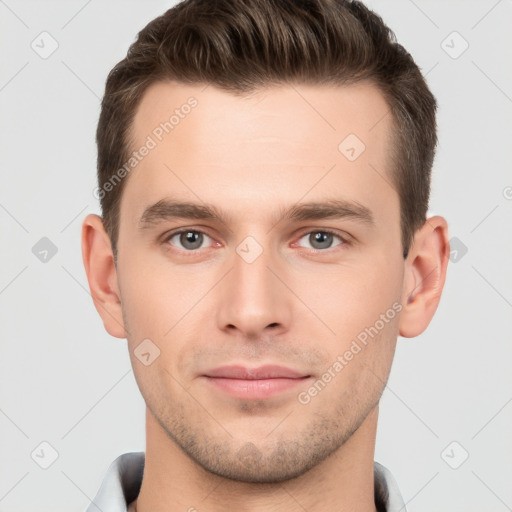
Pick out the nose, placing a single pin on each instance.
(254, 301)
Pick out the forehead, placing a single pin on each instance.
(295, 110)
(274, 145)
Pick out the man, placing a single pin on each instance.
(264, 174)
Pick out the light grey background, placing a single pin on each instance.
(65, 381)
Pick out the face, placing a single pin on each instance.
(260, 253)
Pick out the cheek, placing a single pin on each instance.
(169, 306)
(155, 296)
(352, 298)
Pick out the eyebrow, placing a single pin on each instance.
(167, 209)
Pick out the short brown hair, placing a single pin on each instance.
(242, 45)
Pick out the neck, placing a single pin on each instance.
(173, 482)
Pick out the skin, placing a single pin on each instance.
(253, 158)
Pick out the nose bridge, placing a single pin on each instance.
(253, 298)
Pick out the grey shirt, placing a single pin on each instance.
(122, 481)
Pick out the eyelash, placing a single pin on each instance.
(344, 240)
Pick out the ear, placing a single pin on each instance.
(425, 274)
(101, 273)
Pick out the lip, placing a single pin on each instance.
(261, 372)
(254, 383)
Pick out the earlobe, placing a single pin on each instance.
(101, 273)
(425, 274)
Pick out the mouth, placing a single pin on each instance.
(254, 383)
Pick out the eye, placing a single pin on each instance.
(189, 239)
(321, 239)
